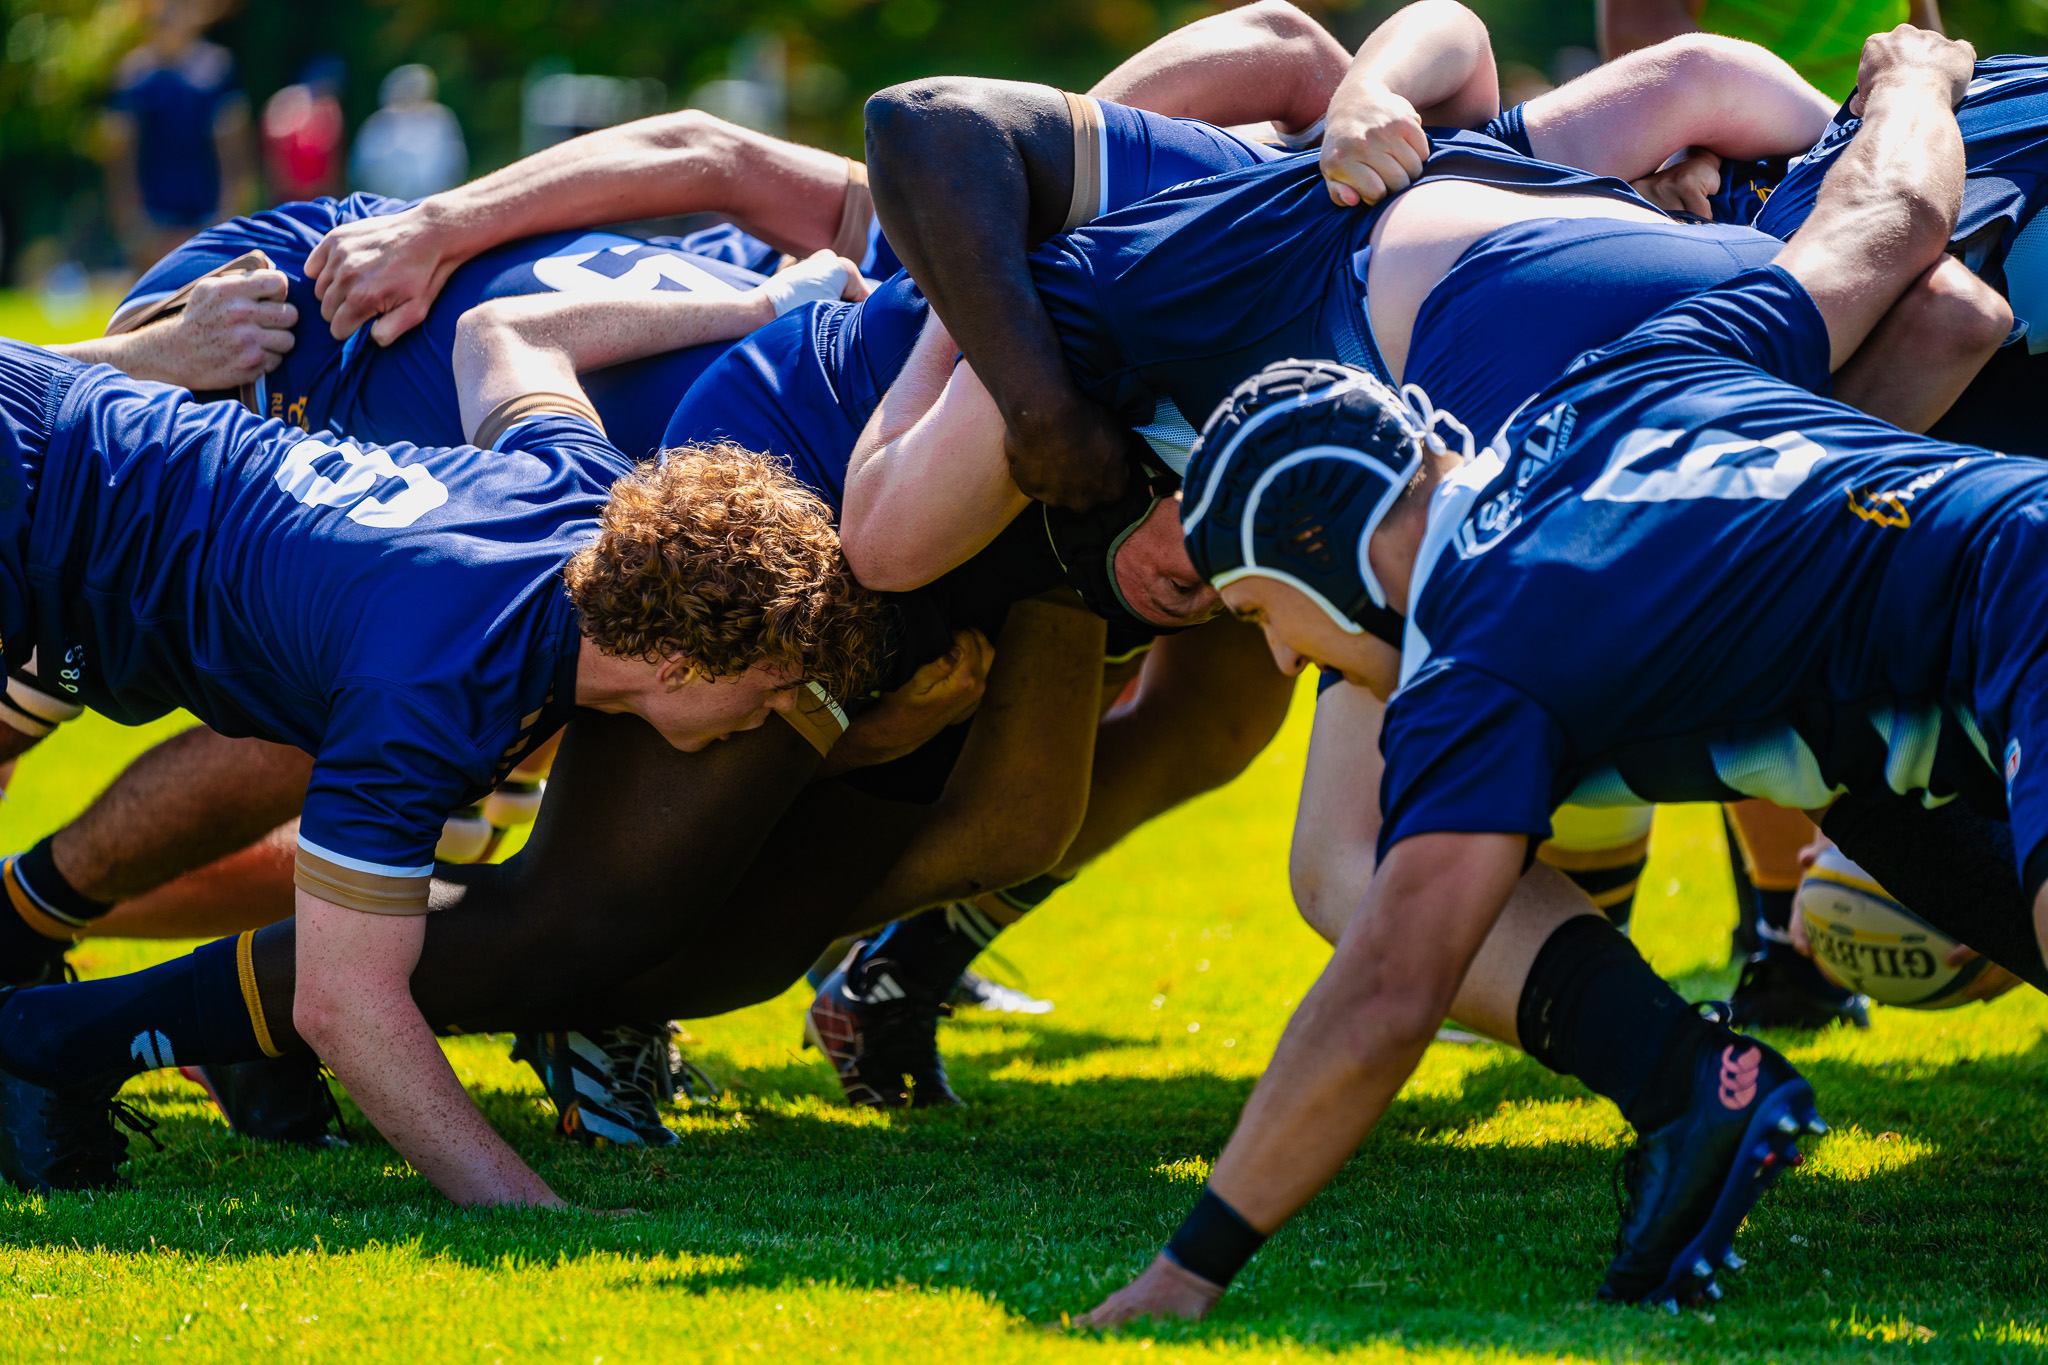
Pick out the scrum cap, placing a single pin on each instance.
(1292, 474)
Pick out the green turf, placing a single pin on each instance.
(1473, 1226)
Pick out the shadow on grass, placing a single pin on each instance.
(1045, 1194)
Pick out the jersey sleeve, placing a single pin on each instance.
(1467, 754)
(389, 772)
(1508, 127)
(1064, 272)
(1762, 317)
(1122, 155)
(551, 423)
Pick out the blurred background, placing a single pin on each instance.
(127, 124)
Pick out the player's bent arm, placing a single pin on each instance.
(1330, 862)
(1889, 203)
(1263, 62)
(537, 343)
(1019, 792)
(231, 331)
(686, 162)
(353, 1004)
(1627, 118)
(1353, 1042)
(928, 485)
(1430, 63)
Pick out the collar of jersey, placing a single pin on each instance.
(1448, 506)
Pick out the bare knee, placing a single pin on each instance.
(1958, 317)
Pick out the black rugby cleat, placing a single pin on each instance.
(275, 1099)
(881, 1037)
(1689, 1184)
(56, 1140)
(1781, 989)
(607, 1085)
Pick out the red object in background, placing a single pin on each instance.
(302, 143)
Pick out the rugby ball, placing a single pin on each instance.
(1868, 942)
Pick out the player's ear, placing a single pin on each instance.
(674, 671)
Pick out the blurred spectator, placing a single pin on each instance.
(302, 135)
(412, 147)
(177, 132)
(559, 104)
(1822, 39)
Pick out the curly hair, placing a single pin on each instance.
(719, 555)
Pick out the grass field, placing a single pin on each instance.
(1472, 1227)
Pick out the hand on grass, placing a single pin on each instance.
(1163, 1291)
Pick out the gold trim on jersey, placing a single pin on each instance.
(1086, 205)
(1593, 859)
(856, 215)
(370, 892)
(513, 411)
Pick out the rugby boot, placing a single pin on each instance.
(1781, 989)
(835, 955)
(1688, 1185)
(881, 1034)
(976, 992)
(275, 1099)
(607, 1085)
(53, 1140)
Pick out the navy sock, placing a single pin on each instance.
(35, 887)
(1592, 1008)
(184, 1012)
(932, 949)
(1774, 915)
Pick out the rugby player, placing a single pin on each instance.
(1581, 618)
(167, 553)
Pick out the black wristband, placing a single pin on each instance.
(1214, 1241)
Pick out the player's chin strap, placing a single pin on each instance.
(1429, 417)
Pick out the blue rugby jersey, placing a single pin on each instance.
(1679, 575)
(396, 611)
(1525, 299)
(1165, 306)
(406, 391)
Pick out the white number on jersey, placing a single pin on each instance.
(1710, 469)
(297, 476)
(636, 268)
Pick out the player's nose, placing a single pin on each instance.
(1288, 660)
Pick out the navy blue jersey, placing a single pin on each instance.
(1163, 307)
(1524, 299)
(406, 391)
(1680, 575)
(397, 611)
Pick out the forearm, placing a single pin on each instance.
(1627, 118)
(1885, 211)
(131, 353)
(685, 162)
(1437, 55)
(353, 1005)
(540, 342)
(1019, 791)
(1265, 62)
